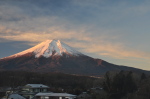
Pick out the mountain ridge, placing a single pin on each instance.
(56, 56)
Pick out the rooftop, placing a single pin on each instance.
(55, 94)
(36, 86)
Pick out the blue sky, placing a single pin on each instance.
(113, 30)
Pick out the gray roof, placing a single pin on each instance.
(36, 86)
(55, 94)
(16, 96)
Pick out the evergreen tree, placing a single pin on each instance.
(143, 76)
(107, 82)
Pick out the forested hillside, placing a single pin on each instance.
(56, 81)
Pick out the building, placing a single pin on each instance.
(54, 96)
(35, 88)
(4, 91)
(36, 91)
(14, 96)
(28, 91)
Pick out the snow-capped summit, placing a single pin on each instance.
(49, 48)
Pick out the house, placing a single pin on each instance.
(35, 88)
(29, 90)
(36, 91)
(5, 91)
(54, 96)
(14, 96)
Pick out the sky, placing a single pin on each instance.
(117, 31)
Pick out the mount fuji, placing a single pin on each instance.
(56, 56)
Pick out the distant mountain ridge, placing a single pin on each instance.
(56, 56)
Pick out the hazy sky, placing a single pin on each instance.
(117, 31)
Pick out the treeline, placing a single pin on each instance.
(116, 85)
(57, 81)
(126, 85)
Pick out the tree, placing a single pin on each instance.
(130, 85)
(107, 82)
(121, 84)
(143, 76)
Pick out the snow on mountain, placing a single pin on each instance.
(49, 48)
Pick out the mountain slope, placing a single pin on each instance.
(56, 56)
